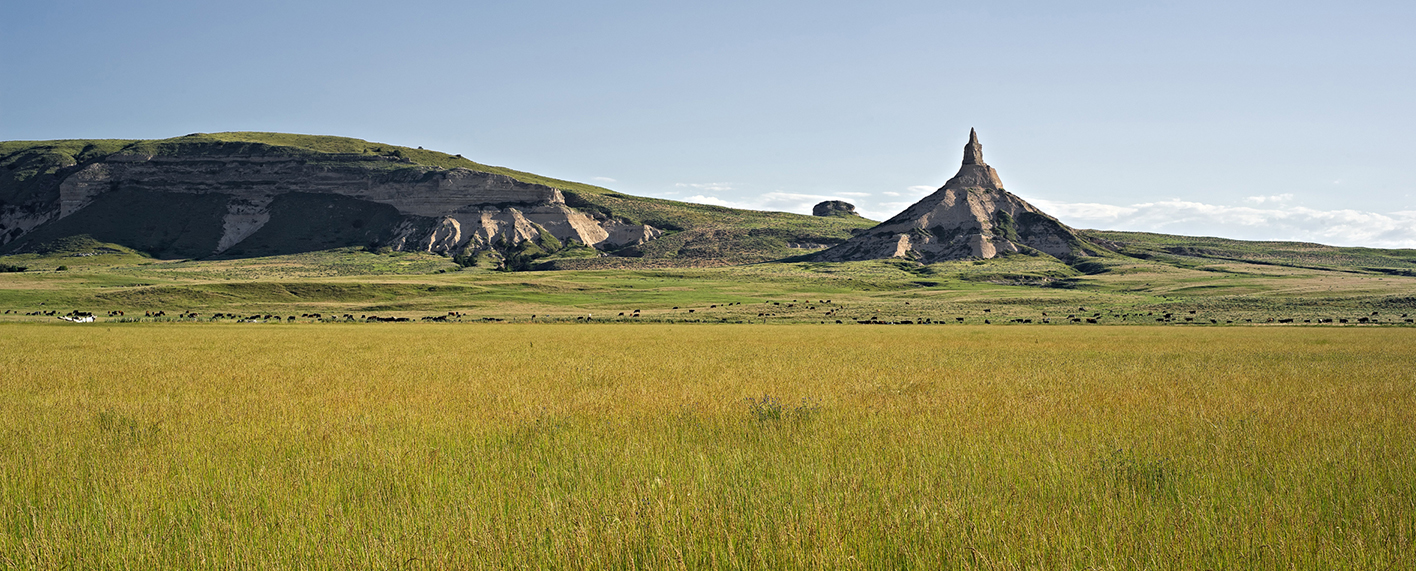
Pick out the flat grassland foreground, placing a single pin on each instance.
(679, 446)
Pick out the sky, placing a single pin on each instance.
(1253, 120)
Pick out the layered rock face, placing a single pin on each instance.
(488, 227)
(971, 216)
(833, 208)
(421, 191)
(442, 209)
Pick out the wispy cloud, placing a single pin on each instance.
(911, 191)
(1278, 221)
(854, 194)
(709, 186)
(780, 201)
(603, 179)
(1275, 198)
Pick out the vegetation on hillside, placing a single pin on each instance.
(1190, 251)
(699, 234)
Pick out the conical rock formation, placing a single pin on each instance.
(971, 216)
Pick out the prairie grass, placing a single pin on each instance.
(675, 446)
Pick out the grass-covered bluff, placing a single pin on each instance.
(143, 216)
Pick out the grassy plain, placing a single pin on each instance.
(198, 445)
(1113, 290)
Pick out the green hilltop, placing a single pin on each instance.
(696, 234)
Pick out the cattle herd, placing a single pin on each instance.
(823, 311)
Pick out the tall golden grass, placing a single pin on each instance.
(662, 446)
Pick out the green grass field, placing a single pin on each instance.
(225, 446)
(1112, 290)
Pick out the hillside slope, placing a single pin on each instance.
(242, 194)
(1191, 251)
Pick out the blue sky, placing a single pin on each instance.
(1255, 120)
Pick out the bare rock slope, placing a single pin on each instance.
(971, 216)
(203, 198)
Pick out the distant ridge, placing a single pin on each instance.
(971, 216)
(248, 194)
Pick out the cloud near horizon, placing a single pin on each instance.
(713, 186)
(778, 201)
(1269, 218)
(1276, 221)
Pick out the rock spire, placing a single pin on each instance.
(971, 216)
(973, 152)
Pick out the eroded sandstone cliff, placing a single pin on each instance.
(971, 216)
(440, 210)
